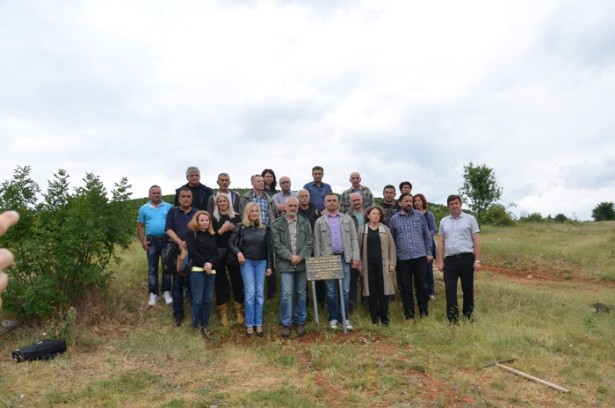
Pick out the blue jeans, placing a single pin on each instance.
(293, 282)
(253, 274)
(153, 258)
(333, 298)
(202, 286)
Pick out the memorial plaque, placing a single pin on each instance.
(324, 268)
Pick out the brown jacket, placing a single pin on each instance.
(389, 257)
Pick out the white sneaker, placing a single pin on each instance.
(432, 297)
(152, 299)
(333, 324)
(348, 325)
(168, 299)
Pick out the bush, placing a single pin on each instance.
(533, 217)
(64, 243)
(497, 215)
(604, 212)
(561, 218)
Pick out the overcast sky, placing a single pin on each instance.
(397, 90)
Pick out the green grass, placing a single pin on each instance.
(122, 353)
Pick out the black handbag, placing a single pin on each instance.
(43, 350)
(169, 258)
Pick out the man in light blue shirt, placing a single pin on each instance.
(153, 237)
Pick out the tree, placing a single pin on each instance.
(64, 247)
(604, 211)
(480, 187)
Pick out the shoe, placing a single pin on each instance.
(385, 323)
(249, 331)
(152, 299)
(432, 297)
(348, 325)
(285, 332)
(333, 324)
(239, 313)
(178, 320)
(223, 310)
(300, 330)
(259, 331)
(205, 333)
(168, 299)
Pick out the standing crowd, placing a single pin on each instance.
(235, 246)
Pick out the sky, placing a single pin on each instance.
(397, 90)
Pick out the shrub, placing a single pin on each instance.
(561, 218)
(533, 217)
(604, 211)
(64, 243)
(496, 214)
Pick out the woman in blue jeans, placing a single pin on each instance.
(203, 250)
(251, 242)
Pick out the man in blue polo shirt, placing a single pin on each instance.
(150, 230)
(177, 230)
(318, 189)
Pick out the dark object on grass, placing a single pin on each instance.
(601, 308)
(43, 350)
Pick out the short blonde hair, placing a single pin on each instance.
(193, 224)
(246, 216)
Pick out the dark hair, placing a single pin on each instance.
(453, 197)
(389, 186)
(403, 195)
(274, 183)
(184, 188)
(405, 183)
(317, 168)
(423, 199)
(380, 210)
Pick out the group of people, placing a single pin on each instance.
(238, 244)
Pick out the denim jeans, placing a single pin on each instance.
(202, 286)
(253, 274)
(333, 297)
(153, 258)
(293, 283)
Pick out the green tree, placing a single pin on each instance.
(66, 245)
(604, 211)
(496, 214)
(480, 187)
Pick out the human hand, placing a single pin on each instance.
(268, 272)
(240, 258)
(7, 220)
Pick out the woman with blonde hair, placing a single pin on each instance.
(203, 251)
(252, 245)
(225, 222)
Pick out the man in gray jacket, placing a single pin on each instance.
(336, 234)
(292, 243)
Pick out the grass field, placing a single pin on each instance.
(533, 303)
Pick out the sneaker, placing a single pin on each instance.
(168, 299)
(300, 330)
(205, 334)
(285, 332)
(333, 324)
(432, 297)
(152, 299)
(178, 320)
(348, 325)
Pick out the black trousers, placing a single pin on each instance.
(411, 273)
(459, 267)
(378, 302)
(223, 286)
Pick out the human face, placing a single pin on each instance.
(258, 183)
(406, 189)
(222, 204)
(185, 199)
(418, 203)
(194, 179)
(268, 177)
(455, 208)
(356, 202)
(374, 215)
(355, 179)
(292, 206)
(254, 213)
(332, 203)
(224, 182)
(304, 198)
(155, 195)
(285, 184)
(203, 222)
(317, 176)
(388, 195)
(406, 204)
